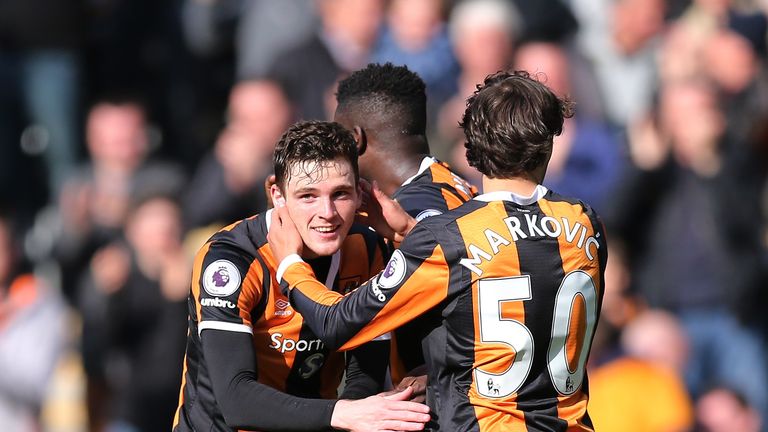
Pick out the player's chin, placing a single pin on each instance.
(325, 246)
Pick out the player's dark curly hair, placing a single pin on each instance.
(312, 141)
(510, 122)
(386, 89)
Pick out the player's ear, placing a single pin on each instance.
(360, 192)
(277, 196)
(360, 139)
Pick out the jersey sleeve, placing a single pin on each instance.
(421, 202)
(226, 286)
(366, 370)
(414, 280)
(248, 404)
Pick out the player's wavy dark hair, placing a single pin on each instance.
(387, 89)
(313, 141)
(510, 122)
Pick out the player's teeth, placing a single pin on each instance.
(324, 229)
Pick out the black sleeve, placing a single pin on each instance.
(366, 370)
(248, 404)
(422, 202)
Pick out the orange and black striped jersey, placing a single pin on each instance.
(518, 283)
(434, 190)
(234, 289)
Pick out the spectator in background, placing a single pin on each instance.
(587, 160)
(143, 283)
(723, 410)
(415, 35)
(94, 201)
(262, 30)
(545, 20)
(229, 182)
(136, 46)
(705, 42)
(40, 47)
(309, 71)
(745, 18)
(658, 337)
(628, 391)
(620, 39)
(483, 33)
(93, 208)
(733, 64)
(32, 336)
(682, 218)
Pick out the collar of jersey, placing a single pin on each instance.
(335, 259)
(425, 164)
(538, 193)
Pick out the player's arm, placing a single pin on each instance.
(226, 290)
(366, 369)
(245, 402)
(226, 339)
(415, 280)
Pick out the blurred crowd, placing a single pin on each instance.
(132, 130)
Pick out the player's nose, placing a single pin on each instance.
(327, 208)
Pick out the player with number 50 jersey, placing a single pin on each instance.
(518, 282)
(515, 276)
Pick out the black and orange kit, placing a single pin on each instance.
(433, 190)
(251, 361)
(517, 284)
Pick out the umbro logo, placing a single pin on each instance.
(280, 308)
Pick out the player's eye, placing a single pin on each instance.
(306, 197)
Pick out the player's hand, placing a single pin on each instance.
(283, 237)
(381, 413)
(384, 214)
(416, 380)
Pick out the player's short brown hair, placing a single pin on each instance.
(510, 122)
(313, 141)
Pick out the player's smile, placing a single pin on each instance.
(326, 230)
(322, 199)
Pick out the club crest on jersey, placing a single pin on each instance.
(395, 271)
(221, 278)
(427, 213)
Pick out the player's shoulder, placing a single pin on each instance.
(421, 199)
(554, 196)
(439, 224)
(574, 207)
(573, 204)
(442, 173)
(227, 259)
(245, 237)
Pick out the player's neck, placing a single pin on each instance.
(518, 185)
(400, 169)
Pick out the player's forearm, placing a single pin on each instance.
(346, 322)
(334, 321)
(366, 370)
(248, 404)
(275, 411)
